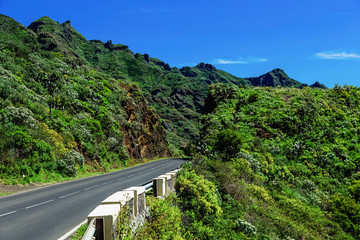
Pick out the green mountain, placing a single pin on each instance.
(61, 74)
(177, 94)
(58, 112)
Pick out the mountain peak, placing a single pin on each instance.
(274, 78)
(46, 20)
(206, 66)
(278, 71)
(318, 85)
(42, 21)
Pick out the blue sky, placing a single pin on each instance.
(312, 40)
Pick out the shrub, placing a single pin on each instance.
(229, 143)
(198, 195)
(165, 220)
(70, 162)
(347, 212)
(246, 227)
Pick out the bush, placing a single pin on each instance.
(71, 161)
(229, 143)
(165, 220)
(347, 212)
(246, 227)
(198, 195)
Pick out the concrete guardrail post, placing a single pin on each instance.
(167, 183)
(159, 187)
(106, 214)
(139, 199)
(123, 198)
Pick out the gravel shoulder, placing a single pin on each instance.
(11, 189)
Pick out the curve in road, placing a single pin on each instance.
(49, 212)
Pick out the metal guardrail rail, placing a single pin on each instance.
(148, 186)
(90, 231)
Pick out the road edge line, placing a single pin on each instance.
(69, 233)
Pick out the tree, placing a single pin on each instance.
(229, 143)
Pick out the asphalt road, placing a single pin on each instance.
(50, 212)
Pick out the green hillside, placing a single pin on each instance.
(57, 112)
(286, 158)
(177, 94)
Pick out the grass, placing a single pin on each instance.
(5, 193)
(80, 232)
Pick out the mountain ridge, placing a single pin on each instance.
(54, 61)
(178, 95)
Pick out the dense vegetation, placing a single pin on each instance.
(273, 163)
(279, 163)
(57, 112)
(287, 158)
(177, 94)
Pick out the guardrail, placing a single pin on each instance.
(103, 218)
(90, 231)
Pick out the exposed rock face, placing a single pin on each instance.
(145, 136)
(108, 44)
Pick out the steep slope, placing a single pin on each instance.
(57, 112)
(176, 94)
(287, 159)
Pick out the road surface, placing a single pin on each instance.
(50, 212)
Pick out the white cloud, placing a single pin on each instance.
(337, 55)
(225, 61)
(242, 61)
(262, 60)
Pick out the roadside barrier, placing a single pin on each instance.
(102, 220)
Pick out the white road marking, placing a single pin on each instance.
(119, 179)
(107, 182)
(91, 187)
(5, 214)
(69, 194)
(39, 204)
